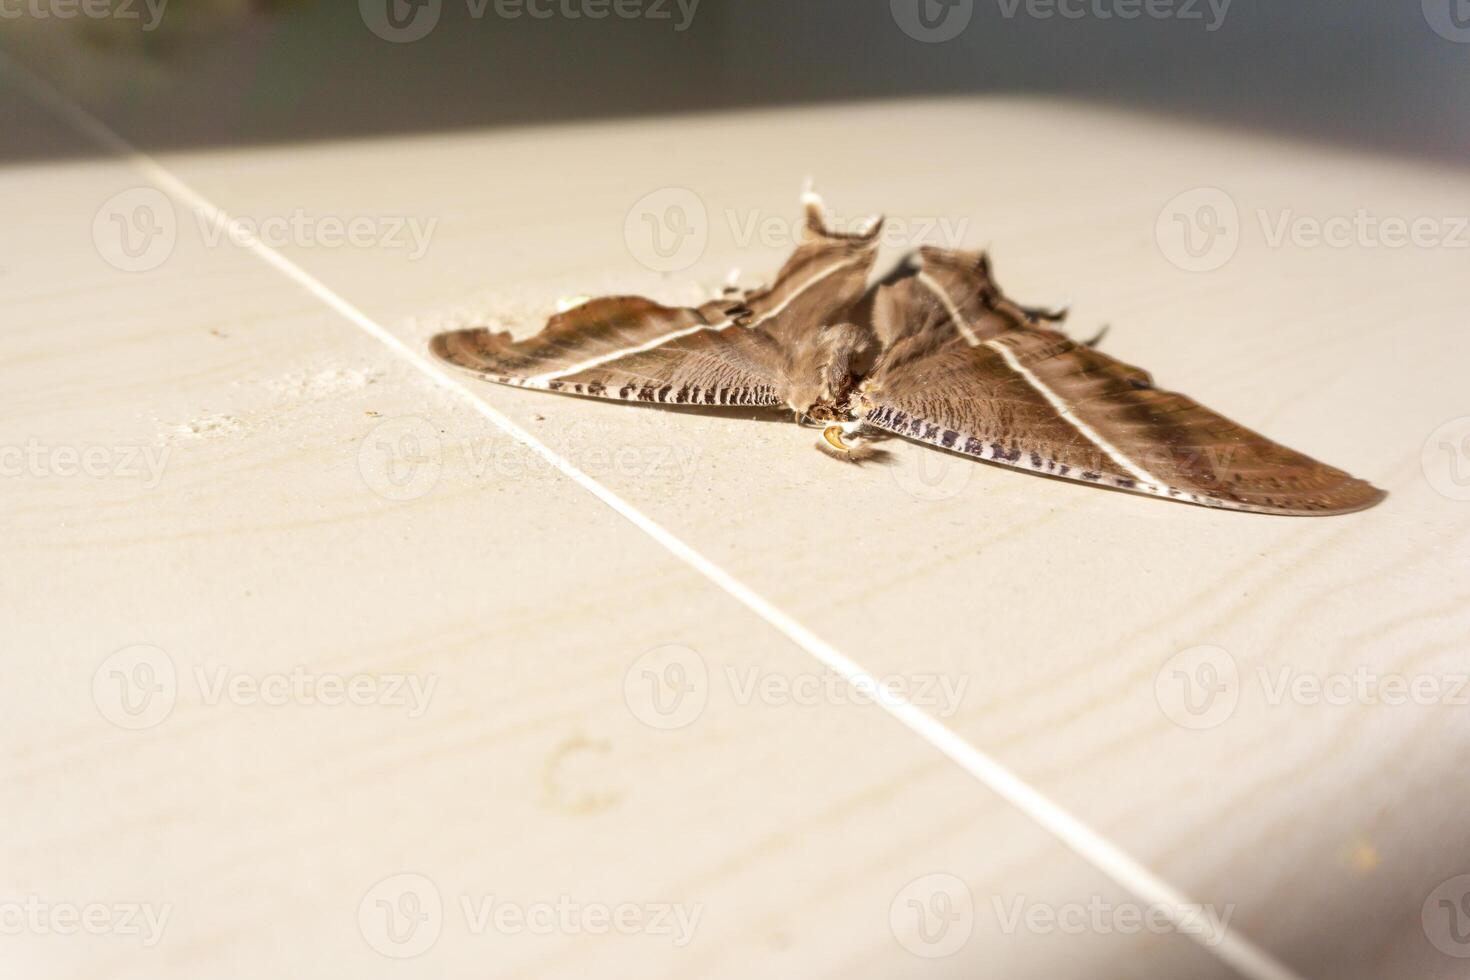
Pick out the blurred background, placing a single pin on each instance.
(1390, 75)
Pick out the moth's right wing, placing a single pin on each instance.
(1029, 397)
(727, 352)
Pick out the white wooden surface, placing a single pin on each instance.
(1323, 828)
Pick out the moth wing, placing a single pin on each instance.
(627, 348)
(955, 289)
(730, 351)
(1031, 398)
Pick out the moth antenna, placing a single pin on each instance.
(1056, 315)
(1097, 339)
(816, 217)
(816, 209)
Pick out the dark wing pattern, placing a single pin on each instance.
(978, 375)
(730, 351)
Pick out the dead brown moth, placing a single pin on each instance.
(934, 352)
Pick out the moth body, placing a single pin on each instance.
(934, 353)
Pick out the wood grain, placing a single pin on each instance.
(1325, 827)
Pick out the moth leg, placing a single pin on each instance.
(1098, 337)
(844, 442)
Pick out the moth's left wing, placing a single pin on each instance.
(1031, 398)
(730, 351)
(628, 348)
